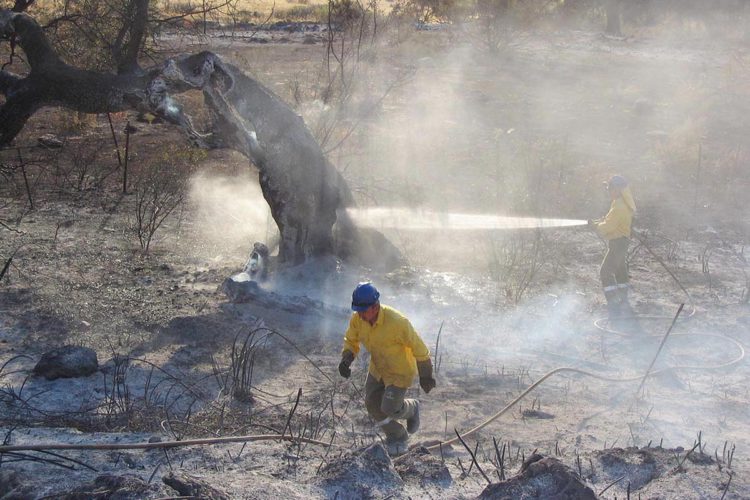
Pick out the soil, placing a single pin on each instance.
(166, 336)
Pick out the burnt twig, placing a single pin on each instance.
(680, 462)
(731, 475)
(437, 347)
(473, 458)
(611, 484)
(114, 139)
(6, 266)
(291, 414)
(500, 459)
(25, 178)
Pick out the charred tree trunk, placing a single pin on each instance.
(304, 191)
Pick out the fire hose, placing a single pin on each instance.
(599, 323)
(603, 325)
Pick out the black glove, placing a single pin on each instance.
(427, 383)
(344, 369)
(426, 380)
(346, 360)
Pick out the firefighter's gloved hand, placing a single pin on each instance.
(346, 360)
(427, 383)
(426, 380)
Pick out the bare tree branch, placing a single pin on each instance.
(304, 191)
(126, 53)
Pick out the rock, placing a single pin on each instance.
(66, 362)
(419, 466)
(541, 478)
(365, 473)
(112, 487)
(50, 141)
(193, 487)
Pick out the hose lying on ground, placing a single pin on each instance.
(162, 444)
(598, 376)
(603, 325)
(271, 437)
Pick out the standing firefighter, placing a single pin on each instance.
(615, 228)
(397, 354)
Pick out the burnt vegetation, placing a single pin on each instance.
(104, 125)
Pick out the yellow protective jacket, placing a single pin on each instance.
(393, 344)
(618, 221)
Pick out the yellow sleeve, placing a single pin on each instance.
(415, 342)
(351, 337)
(611, 223)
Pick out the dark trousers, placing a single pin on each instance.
(614, 269)
(386, 405)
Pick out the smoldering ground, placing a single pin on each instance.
(531, 132)
(526, 135)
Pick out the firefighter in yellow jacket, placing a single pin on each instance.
(397, 355)
(615, 227)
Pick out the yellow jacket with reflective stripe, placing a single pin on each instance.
(618, 221)
(393, 344)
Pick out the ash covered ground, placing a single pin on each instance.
(508, 306)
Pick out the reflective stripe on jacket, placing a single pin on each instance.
(393, 344)
(618, 221)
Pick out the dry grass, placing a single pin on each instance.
(253, 11)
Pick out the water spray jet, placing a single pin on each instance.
(409, 219)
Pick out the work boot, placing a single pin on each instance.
(397, 448)
(613, 304)
(412, 423)
(624, 304)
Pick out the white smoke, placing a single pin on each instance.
(230, 214)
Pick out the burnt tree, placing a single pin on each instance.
(305, 192)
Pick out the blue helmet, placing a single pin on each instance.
(364, 296)
(617, 182)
